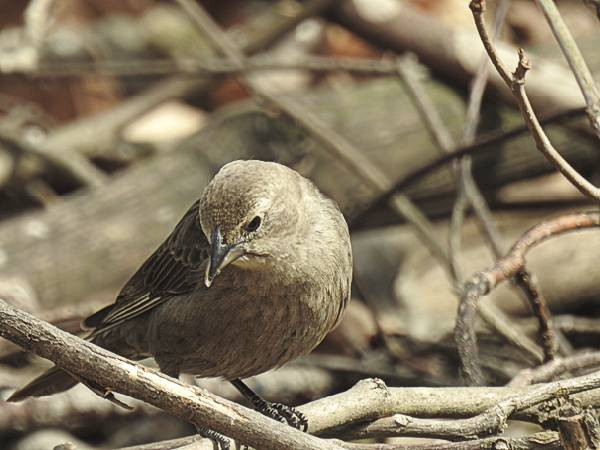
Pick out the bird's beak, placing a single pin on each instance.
(221, 255)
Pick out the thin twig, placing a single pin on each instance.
(422, 226)
(529, 285)
(441, 135)
(485, 143)
(575, 59)
(455, 236)
(214, 66)
(405, 69)
(555, 368)
(470, 189)
(516, 83)
(509, 266)
(468, 186)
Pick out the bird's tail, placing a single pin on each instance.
(50, 382)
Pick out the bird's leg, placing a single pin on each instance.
(276, 411)
(221, 441)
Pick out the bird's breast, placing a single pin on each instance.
(244, 325)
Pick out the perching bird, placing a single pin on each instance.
(256, 273)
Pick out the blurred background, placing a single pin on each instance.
(115, 114)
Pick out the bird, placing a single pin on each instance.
(256, 273)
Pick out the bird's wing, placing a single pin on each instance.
(173, 269)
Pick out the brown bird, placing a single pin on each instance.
(256, 273)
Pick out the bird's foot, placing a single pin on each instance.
(221, 441)
(276, 411)
(282, 413)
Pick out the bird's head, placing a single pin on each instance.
(248, 213)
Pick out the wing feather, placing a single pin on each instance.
(175, 268)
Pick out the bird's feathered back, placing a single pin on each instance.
(173, 269)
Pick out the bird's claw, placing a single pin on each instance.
(285, 414)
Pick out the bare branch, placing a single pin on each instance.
(442, 137)
(545, 440)
(468, 190)
(467, 185)
(489, 422)
(512, 264)
(214, 66)
(555, 368)
(528, 284)
(482, 144)
(367, 401)
(575, 59)
(120, 375)
(516, 83)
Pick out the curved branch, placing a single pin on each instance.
(555, 368)
(516, 83)
(511, 265)
(490, 422)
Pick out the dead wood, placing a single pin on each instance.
(117, 374)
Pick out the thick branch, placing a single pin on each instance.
(367, 401)
(370, 400)
(490, 422)
(120, 375)
(545, 440)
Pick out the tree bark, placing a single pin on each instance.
(120, 375)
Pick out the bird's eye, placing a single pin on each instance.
(254, 224)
